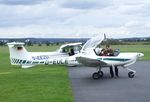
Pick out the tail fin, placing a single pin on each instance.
(17, 53)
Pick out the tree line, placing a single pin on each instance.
(108, 41)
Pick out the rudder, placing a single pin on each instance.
(17, 53)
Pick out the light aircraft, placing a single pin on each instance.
(72, 54)
(64, 55)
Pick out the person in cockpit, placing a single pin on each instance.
(103, 52)
(109, 50)
(71, 52)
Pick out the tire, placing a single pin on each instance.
(101, 74)
(96, 76)
(131, 74)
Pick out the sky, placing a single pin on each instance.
(74, 18)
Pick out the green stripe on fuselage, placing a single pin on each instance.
(114, 59)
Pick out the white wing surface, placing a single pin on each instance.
(90, 62)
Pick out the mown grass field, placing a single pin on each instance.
(38, 84)
(42, 83)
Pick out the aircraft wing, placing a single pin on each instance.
(68, 45)
(90, 62)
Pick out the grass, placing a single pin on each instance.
(39, 84)
(42, 83)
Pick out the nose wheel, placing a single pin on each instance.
(131, 74)
(97, 75)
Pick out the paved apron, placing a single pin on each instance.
(106, 89)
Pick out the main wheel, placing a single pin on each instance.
(96, 75)
(101, 73)
(131, 74)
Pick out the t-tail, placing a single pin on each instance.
(18, 54)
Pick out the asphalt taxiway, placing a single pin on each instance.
(106, 89)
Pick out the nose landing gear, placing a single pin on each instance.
(131, 74)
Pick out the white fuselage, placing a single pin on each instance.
(36, 58)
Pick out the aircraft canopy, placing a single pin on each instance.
(93, 42)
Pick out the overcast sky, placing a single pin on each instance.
(74, 18)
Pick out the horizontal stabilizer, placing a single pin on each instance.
(27, 66)
(15, 44)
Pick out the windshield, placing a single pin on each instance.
(93, 42)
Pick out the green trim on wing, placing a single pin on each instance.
(114, 59)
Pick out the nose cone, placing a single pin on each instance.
(140, 54)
